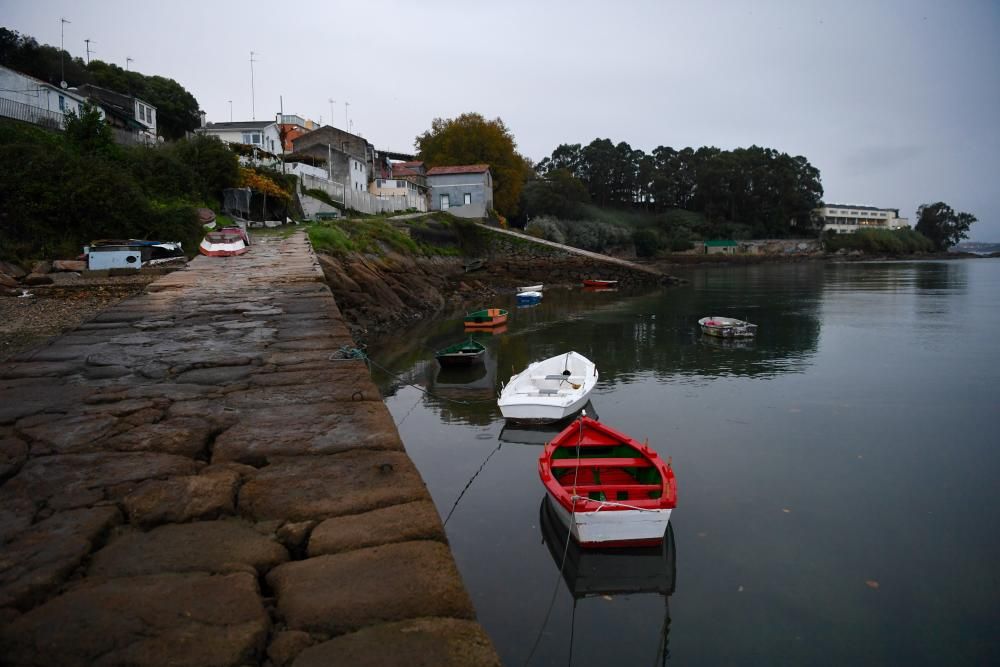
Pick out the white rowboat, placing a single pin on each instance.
(530, 288)
(549, 390)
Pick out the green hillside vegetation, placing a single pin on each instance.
(437, 234)
(71, 188)
(879, 241)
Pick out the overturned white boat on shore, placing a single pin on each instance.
(549, 390)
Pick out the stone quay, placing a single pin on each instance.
(194, 478)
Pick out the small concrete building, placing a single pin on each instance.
(262, 134)
(849, 218)
(32, 100)
(721, 247)
(123, 111)
(335, 139)
(464, 190)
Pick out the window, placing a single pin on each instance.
(468, 198)
(251, 138)
(62, 103)
(445, 203)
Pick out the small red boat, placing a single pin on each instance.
(606, 488)
(225, 242)
(600, 283)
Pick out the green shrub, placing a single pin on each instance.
(647, 242)
(879, 241)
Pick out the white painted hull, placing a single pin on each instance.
(618, 527)
(237, 247)
(541, 393)
(530, 288)
(533, 410)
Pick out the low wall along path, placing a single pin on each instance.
(189, 479)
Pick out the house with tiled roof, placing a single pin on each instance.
(463, 190)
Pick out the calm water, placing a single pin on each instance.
(839, 478)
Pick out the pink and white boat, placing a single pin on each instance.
(225, 242)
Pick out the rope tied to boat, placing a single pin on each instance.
(609, 503)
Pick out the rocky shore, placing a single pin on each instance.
(32, 314)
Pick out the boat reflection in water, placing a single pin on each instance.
(606, 573)
(539, 434)
(726, 343)
(491, 331)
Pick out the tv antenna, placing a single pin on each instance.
(253, 113)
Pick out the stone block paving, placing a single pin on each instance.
(191, 479)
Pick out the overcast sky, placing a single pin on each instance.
(897, 103)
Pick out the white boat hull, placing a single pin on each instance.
(549, 390)
(532, 410)
(619, 527)
(530, 288)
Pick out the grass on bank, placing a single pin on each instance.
(436, 234)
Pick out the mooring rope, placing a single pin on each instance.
(476, 474)
(562, 563)
(602, 503)
(348, 353)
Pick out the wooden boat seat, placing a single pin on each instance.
(610, 488)
(602, 463)
(568, 378)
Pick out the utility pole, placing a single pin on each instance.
(332, 102)
(281, 136)
(230, 111)
(87, 41)
(346, 121)
(127, 61)
(253, 113)
(62, 50)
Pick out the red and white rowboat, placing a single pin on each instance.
(599, 283)
(224, 242)
(608, 489)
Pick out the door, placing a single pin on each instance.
(468, 198)
(444, 202)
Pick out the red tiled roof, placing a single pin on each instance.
(414, 163)
(462, 169)
(399, 170)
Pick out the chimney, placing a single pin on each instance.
(202, 114)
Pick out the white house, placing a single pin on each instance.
(32, 100)
(849, 218)
(261, 134)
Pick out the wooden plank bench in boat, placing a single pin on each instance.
(612, 488)
(602, 463)
(568, 378)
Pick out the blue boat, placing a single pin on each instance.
(527, 298)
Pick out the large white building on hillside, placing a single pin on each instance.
(849, 218)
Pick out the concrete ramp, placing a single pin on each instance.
(192, 478)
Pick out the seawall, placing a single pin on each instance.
(191, 478)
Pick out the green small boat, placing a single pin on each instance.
(466, 353)
(483, 319)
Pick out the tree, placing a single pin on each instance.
(88, 134)
(559, 193)
(471, 139)
(942, 225)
